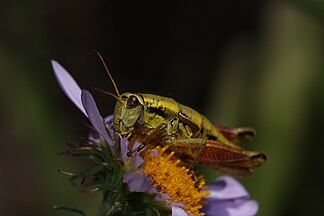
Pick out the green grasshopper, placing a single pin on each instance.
(156, 120)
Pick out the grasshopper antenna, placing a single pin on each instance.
(109, 93)
(106, 68)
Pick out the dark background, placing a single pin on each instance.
(251, 63)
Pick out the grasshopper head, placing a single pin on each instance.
(128, 112)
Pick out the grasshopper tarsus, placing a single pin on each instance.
(138, 149)
(194, 177)
(129, 154)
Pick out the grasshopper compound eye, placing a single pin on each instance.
(132, 102)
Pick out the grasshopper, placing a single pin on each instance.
(156, 120)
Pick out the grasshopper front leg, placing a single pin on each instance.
(152, 134)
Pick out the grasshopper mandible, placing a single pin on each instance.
(157, 120)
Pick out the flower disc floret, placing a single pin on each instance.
(173, 181)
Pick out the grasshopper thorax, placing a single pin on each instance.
(128, 112)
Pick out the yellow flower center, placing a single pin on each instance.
(169, 178)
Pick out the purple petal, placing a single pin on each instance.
(137, 182)
(108, 118)
(136, 144)
(177, 211)
(68, 85)
(236, 207)
(226, 187)
(123, 147)
(95, 117)
(154, 152)
(138, 160)
(94, 136)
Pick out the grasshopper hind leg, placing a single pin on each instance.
(226, 158)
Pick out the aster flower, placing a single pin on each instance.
(151, 182)
(110, 166)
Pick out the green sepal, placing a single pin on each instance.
(133, 203)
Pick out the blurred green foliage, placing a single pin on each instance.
(257, 64)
